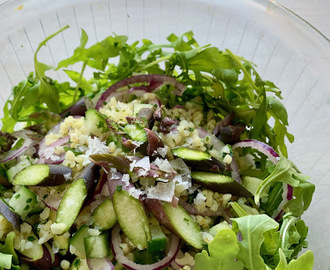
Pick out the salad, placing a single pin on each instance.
(170, 156)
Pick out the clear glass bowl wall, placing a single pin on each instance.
(286, 49)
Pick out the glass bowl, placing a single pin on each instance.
(286, 49)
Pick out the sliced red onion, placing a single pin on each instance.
(51, 201)
(100, 264)
(154, 141)
(54, 130)
(175, 266)
(158, 114)
(117, 179)
(77, 109)
(273, 156)
(121, 95)
(278, 216)
(178, 107)
(121, 258)
(12, 154)
(175, 201)
(235, 171)
(155, 81)
(155, 101)
(217, 144)
(260, 146)
(47, 155)
(101, 184)
(289, 194)
(155, 207)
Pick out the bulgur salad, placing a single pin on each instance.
(171, 156)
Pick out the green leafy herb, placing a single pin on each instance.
(73, 150)
(284, 172)
(253, 228)
(48, 93)
(305, 261)
(293, 235)
(31, 238)
(11, 259)
(223, 251)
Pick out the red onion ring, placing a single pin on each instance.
(175, 266)
(50, 151)
(55, 130)
(51, 201)
(273, 156)
(121, 258)
(235, 171)
(99, 264)
(114, 180)
(261, 147)
(154, 80)
(12, 154)
(289, 194)
(175, 201)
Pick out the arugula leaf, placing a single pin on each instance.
(8, 248)
(305, 261)
(8, 122)
(243, 210)
(277, 109)
(179, 43)
(271, 243)
(253, 228)
(274, 199)
(284, 172)
(47, 92)
(293, 235)
(5, 260)
(209, 60)
(302, 198)
(223, 250)
(107, 48)
(81, 81)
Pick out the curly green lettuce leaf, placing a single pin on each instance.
(253, 228)
(223, 251)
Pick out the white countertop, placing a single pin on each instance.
(316, 12)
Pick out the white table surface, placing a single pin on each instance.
(316, 12)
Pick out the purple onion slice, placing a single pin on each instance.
(154, 81)
(261, 147)
(273, 156)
